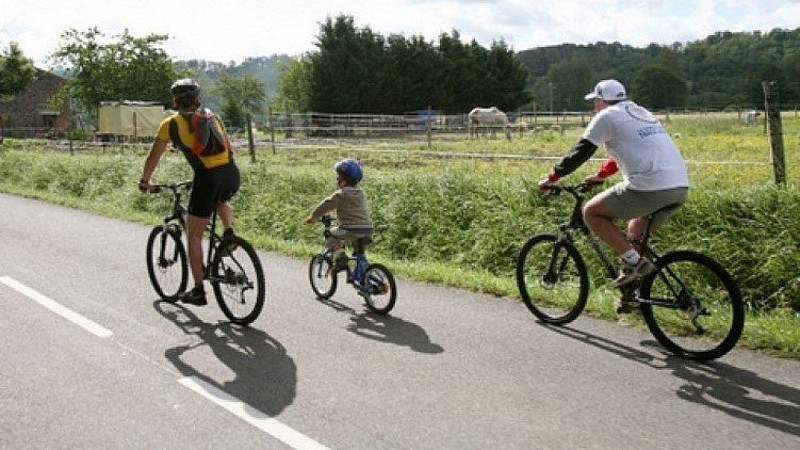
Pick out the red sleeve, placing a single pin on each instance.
(608, 168)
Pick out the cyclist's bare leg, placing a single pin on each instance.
(225, 214)
(636, 229)
(195, 226)
(600, 220)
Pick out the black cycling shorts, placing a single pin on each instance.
(211, 186)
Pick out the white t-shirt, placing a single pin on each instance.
(645, 154)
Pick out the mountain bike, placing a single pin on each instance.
(231, 266)
(374, 282)
(690, 303)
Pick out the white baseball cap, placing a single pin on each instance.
(608, 90)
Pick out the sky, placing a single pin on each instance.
(231, 30)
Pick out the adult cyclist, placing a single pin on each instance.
(203, 139)
(654, 175)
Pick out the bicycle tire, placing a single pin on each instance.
(379, 289)
(240, 273)
(322, 277)
(716, 332)
(554, 297)
(167, 264)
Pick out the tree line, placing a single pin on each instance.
(724, 70)
(358, 70)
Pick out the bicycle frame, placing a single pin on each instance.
(178, 215)
(353, 275)
(576, 224)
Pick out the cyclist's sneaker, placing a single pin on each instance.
(228, 249)
(197, 296)
(630, 273)
(625, 306)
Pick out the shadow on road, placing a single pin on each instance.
(386, 328)
(393, 330)
(714, 384)
(265, 376)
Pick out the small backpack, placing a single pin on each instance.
(210, 137)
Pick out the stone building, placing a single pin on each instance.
(28, 114)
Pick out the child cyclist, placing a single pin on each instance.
(352, 212)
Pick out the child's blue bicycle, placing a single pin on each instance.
(372, 281)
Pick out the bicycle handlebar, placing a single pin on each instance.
(157, 188)
(574, 189)
(326, 220)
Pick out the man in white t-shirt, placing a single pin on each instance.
(653, 174)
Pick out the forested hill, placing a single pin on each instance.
(723, 70)
(265, 68)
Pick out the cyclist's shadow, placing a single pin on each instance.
(386, 328)
(714, 384)
(392, 330)
(265, 376)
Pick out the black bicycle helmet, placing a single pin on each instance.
(185, 88)
(349, 169)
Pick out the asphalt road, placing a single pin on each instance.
(91, 359)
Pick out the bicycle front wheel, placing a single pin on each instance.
(322, 276)
(552, 279)
(238, 280)
(167, 264)
(379, 289)
(692, 306)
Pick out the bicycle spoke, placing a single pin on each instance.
(552, 279)
(700, 313)
(238, 282)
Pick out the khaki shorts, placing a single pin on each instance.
(358, 240)
(627, 204)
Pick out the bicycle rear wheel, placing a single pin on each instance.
(552, 279)
(379, 289)
(692, 306)
(238, 280)
(322, 276)
(167, 264)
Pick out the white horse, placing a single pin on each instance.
(488, 118)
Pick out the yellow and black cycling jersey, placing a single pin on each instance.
(204, 142)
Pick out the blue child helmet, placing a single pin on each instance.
(349, 169)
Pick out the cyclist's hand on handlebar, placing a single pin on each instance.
(593, 179)
(545, 186)
(144, 186)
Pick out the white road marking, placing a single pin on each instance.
(57, 308)
(251, 415)
(231, 404)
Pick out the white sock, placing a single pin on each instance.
(631, 257)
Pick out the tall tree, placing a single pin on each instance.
(567, 84)
(294, 84)
(357, 70)
(127, 68)
(16, 71)
(657, 86)
(241, 96)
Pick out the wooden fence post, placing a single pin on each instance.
(428, 120)
(250, 142)
(773, 113)
(271, 128)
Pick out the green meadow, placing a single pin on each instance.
(457, 211)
